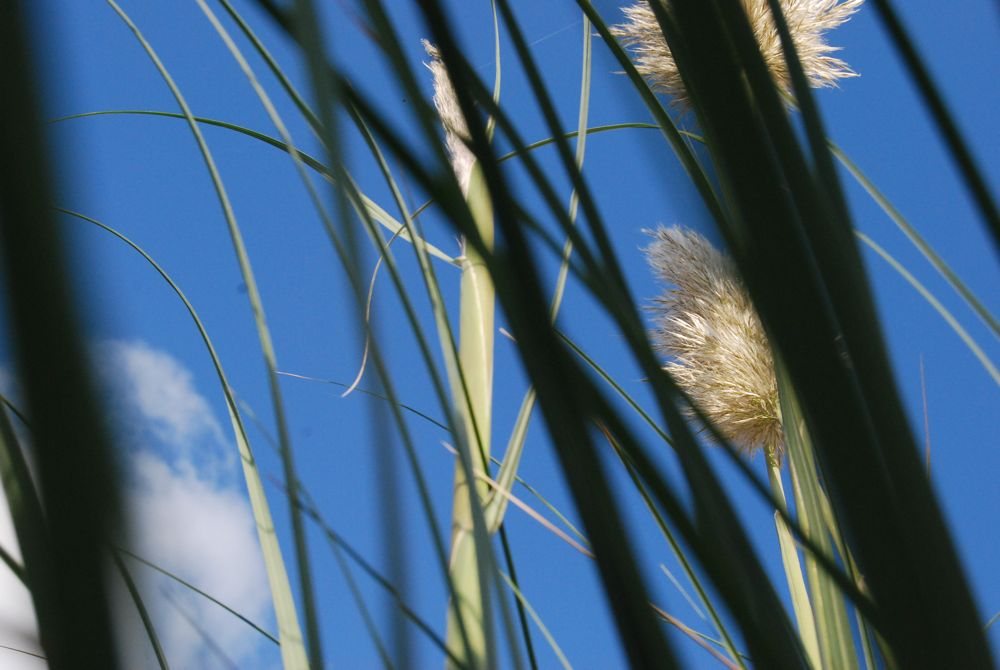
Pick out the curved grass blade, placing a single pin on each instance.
(281, 593)
(945, 121)
(140, 606)
(936, 304)
(292, 656)
(375, 211)
(188, 585)
(918, 241)
(495, 509)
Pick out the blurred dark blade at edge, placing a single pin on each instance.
(76, 475)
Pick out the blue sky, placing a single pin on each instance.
(144, 177)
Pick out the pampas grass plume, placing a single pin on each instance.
(707, 326)
(455, 129)
(808, 21)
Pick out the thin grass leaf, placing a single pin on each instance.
(944, 119)
(717, 622)
(375, 211)
(23, 651)
(209, 642)
(77, 477)
(277, 576)
(293, 654)
(556, 649)
(495, 509)
(943, 311)
(918, 241)
(140, 606)
(188, 585)
(823, 287)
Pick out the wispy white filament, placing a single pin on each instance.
(709, 329)
(455, 130)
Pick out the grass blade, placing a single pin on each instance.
(76, 469)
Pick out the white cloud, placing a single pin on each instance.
(188, 513)
(155, 394)
(203, 533)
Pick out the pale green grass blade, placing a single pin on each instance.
(293, 656)
(793, 568)
(147, 622)
(281, 594)
(833, 628)
(976, 350)
(683, 591)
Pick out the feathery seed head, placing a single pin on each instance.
(455, 130)
(708, 326)
(808, 21)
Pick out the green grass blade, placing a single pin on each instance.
(497, 507)
(194, 589)
(918, 241)
(77, 474)
(833, 627)
(375, 211)
(291, 656)
(284, 603)
(976, 350)
(556, 649)
(944, 119)
(140, 606)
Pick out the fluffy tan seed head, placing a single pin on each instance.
(808, 21)
(707, 325)
(455, 130)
